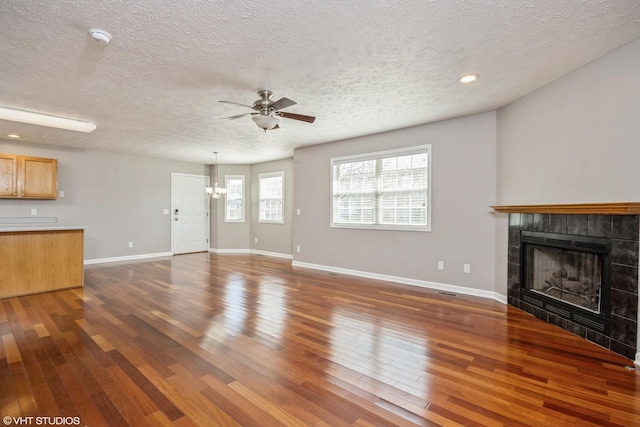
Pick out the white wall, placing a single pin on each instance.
(463, 179)
(120, 198)
(576, 140)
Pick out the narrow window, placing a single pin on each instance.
(271, 189)
(234, 209)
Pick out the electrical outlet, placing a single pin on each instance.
(467, 268)
(61, 193)
(298, 248)
(440, 265)
(298, 211)
(34, 212)
(130, 244)
(256, 240)
(165, 211)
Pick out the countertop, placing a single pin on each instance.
(8, 228)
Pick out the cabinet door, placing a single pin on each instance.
(39, 178)
(8, 175)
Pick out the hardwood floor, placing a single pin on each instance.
(217, 340)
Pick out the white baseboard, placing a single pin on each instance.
(637, 361)
(250, 251)
(229, 251)
(273, 254)
(126, 258)
(406, 281)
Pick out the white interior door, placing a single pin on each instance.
(189, 213)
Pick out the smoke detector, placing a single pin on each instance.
(101, 36)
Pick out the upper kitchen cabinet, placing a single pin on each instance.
(26, 177)
(8, 175)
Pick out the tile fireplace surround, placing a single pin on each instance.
(624, 234)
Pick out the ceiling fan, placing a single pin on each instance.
(267, 111)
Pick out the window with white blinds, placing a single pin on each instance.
(234, 200)
(383, 190)
(271, 189)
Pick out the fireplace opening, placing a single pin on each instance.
(568, 276)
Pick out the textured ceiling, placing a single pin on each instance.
(360, 67)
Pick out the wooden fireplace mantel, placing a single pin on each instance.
(621, 208)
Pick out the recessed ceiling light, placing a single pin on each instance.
(13, 135)
(468, 78)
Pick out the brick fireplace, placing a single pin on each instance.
(610, 319)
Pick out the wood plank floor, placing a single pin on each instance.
(224, 340)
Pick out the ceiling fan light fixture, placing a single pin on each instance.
(30, 117)
(265, 122)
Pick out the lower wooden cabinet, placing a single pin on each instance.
(40, 261)
(27, 177)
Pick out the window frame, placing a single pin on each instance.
(242, 198)
(379, 155)
(268, 175)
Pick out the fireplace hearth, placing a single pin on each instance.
(582, 274)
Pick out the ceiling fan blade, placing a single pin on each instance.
(235, 117)
(237, 103)
(282, 103)
(301, 117)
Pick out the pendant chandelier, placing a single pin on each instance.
(216, 192)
